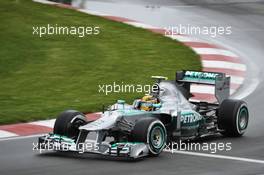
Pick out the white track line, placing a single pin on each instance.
(4, 134)
(217, 156)
(90, 12)
(45, 2)
(183, 38)
(20, 137)
(223, 65)
(140, 25)
(215, 51)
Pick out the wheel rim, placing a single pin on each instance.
(157, 137)
(243, 118)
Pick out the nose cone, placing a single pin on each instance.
(107, 121)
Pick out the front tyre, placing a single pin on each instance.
(152, 132)
(233, 117)
(68, 123)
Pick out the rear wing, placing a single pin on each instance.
(219, 80)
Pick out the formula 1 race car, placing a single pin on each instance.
(145, 127)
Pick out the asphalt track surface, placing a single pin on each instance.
(247, 21)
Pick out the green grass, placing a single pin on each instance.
(39, 77)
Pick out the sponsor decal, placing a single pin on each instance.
(201, 75)
(190, 117)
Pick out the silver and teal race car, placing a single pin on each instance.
(150, 123)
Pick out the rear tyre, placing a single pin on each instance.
(68, 123)
(233, 117)
(152, 132)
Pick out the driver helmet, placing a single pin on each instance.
(148, 103)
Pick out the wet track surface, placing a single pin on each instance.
(247, 21)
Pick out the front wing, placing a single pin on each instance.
(53, 142)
